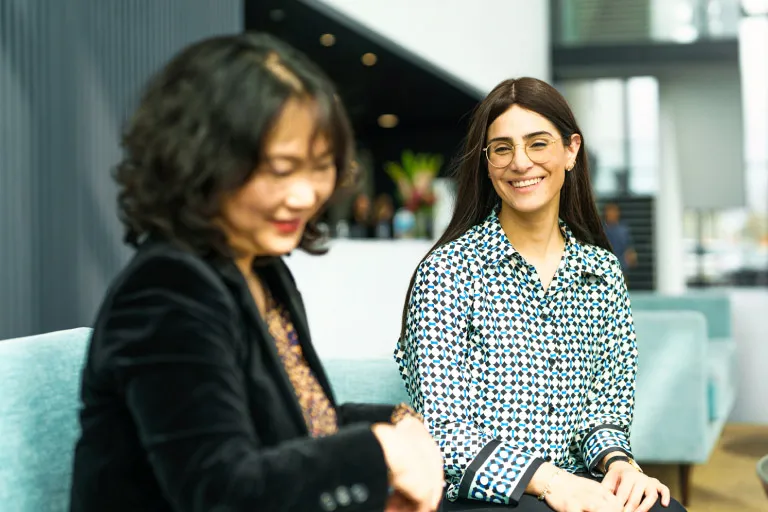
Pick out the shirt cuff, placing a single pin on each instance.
(601, 441)
(498, 474)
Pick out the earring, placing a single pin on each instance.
(570, 167)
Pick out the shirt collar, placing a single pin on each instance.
(494, 247)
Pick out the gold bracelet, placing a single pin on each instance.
(548, 488)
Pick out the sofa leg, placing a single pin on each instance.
(685, 483)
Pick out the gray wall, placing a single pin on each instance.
(70, 73)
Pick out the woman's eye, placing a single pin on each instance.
(324, 166)
(277, 171)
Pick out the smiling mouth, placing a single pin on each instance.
(289, 226)
(526, 183)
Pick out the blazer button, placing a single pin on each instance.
(327, 502)
(359, 493)
(342, 496)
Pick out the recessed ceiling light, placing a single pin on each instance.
(388, 120)
(369, 59)
(277, 14)
(327, 40)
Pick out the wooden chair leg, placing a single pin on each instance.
(685, 483)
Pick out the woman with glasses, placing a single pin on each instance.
(517, 342)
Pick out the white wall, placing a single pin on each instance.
(481, 42)
(354, 295)
(750, 332)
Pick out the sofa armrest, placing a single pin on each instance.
(671, 409)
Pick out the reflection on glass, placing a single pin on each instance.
(680, 21)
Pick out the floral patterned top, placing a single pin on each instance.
(319, 413)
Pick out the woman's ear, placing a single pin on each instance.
(573, 147)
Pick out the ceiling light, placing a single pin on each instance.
(277, 15)
(388, 120)
(369, 59)
(327, 40)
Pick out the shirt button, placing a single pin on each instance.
(551, 409)
(359, 493)
(343, 497)
(327, 502)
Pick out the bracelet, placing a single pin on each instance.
(548, 489)
(615, 458)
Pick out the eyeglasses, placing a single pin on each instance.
(539, 150)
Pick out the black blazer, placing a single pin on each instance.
(187, 407)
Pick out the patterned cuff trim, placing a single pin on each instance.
(469, 475)
(604, 426)
(600, 441)
(525, 479)
(498, 478)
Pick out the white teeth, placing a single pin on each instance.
(526, 183)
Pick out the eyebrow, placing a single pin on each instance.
(525, 137)
(297, 158)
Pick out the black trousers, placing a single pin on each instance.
(530, 503)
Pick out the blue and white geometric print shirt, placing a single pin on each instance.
(508, 375)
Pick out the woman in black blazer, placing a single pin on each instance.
(201, 390)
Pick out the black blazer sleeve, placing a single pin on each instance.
(351, 413)
(175, 351)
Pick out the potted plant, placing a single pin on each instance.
(414, 177)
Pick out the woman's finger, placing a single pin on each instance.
(651, 495)
(625, 490)
(665, 495)
(634, 499)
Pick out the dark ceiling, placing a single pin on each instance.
(432, 107)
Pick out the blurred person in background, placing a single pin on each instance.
(517, 343)
(202, 390)
(619, 236)
(383, 213)
(360, 225)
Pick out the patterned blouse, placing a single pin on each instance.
(508, 375)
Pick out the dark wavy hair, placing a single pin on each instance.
(199, 133)
(475, 196)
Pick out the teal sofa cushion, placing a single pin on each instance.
(671, 422)
(39, 379)
(721, 370)
(375, 381)
(721, 362)
(715, 308)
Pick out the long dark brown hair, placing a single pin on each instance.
(475, 196)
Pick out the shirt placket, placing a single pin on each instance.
(551, 352)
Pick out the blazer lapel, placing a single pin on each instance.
(253, 317)
(282, 282)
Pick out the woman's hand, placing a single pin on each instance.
(415, 465)
(569, 493)
(630, 486)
